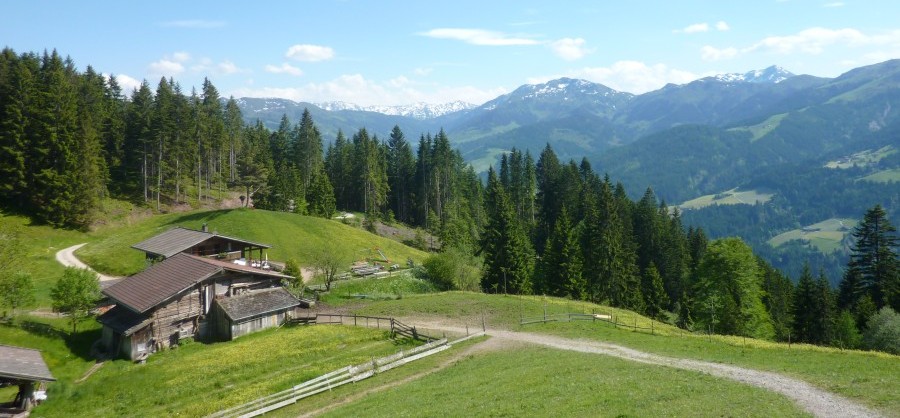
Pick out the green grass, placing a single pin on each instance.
(862, 158)
(40, 243)
(871, 378)
(198, 379)
(884, 176)
(729, 197)
(531, 381)
(290, 235)
(826, 236)
(488, 159)
(396, 286)
(762, 129)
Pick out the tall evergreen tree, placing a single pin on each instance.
(874, 268)
(508, 257)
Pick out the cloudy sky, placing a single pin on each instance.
(395, 52)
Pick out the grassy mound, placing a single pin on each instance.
(289, 234)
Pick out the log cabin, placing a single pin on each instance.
(181, 296)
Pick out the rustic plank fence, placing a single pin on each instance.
(397, 328)
(326, 382)
(594, 317)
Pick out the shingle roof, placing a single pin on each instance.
(257, 303)
(160, 282)
(179, 239)
(23, 363)
(124, 321)
(165, 279)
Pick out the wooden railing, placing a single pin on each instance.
(396, 327)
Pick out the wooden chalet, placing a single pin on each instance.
(25, 368)
(201, 243)
(180, 297)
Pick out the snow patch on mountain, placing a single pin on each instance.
(419, 110)
(773, 74)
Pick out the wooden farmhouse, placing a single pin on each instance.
(25, 368)
(202, 243)
(188, 296)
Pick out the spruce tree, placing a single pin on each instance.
(874, 268)
(655, 298)
(508, 257)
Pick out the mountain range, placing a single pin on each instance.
(766, 130)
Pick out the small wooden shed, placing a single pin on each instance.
(22, 367)
(251, 312)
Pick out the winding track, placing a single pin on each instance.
(816, 401)
(66, 257)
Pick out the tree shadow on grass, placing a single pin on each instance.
(78, 344)
(207, 217)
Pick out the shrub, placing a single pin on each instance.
(453, 269)
(883, 331)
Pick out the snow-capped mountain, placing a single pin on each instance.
(419, 110)
(773, 74)
(565, 92)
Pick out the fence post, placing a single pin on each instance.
(483, 327)
(354, 320)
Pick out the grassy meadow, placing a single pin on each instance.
(884, 176)
(729, 197)
(862, 158)
(826, 236)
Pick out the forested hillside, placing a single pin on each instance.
(71, 139)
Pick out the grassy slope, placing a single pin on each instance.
(41, 243)
(827, 239)
(199, 379)
(884, 176)
(871, 378)
(290, 236)
(533, 381)
(734, 197)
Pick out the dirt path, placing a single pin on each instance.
(66, 257)
(816, 401)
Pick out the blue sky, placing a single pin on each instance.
(395, 52)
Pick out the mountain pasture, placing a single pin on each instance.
(729, 197)
(827, 235)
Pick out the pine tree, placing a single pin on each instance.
(401, 172)
(874, 268)
(561, 263)
(508, 257)
(655, 297)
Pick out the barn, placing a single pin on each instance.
(178, 298)
(201, 243)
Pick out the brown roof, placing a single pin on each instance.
(124, 321)
(257, 303)
(165, 279)
(179, 239)
(17, 363)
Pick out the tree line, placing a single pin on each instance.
(69, 139)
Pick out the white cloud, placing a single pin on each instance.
(227, 67)
(703, 27)
(695, 28)
(310, 53)
(423, 71)
(629, 76)
(569, 49)
(479, 37)
(284, 68)
(166, 67)
(354, 88)
(181, 57)
(127, 83)
(194, 24)
(812, 41)
(709, 53)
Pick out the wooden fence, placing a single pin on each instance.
(594, 317)
(349, 374)
(396, 327)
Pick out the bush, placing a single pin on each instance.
(453, 269)
(883, 331)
